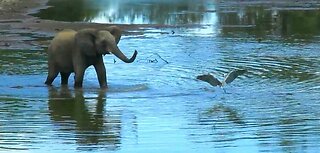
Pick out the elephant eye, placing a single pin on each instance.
(104, 47)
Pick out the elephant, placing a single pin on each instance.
(74, 51)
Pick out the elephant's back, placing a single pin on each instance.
(60, 49)
(62, 42)
(64, 37)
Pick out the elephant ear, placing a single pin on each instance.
(116, 32)
(85, 41)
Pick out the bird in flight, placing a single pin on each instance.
(227, 80)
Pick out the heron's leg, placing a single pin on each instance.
(224, 90)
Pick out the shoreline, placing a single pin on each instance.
(22, 31)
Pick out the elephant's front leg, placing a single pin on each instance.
(78, 79)
(101, 73)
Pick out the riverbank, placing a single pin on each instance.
(20, 30)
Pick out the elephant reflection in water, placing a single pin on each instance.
(90, 127)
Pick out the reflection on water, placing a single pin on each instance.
(71, 114)
(290, 20)
(230, 113)
(264, 22)
(129, 12)
(153, 105)
(22, 62)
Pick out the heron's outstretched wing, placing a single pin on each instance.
(233, 75)
(210, 79)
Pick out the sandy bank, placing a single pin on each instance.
(20, 30)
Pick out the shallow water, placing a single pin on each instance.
(156, 104)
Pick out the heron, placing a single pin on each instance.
(227, 80)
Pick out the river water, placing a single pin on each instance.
(156, 104)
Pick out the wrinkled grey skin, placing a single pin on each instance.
(74, 51)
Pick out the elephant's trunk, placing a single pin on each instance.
(116, 51)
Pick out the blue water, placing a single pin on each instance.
(156, 104)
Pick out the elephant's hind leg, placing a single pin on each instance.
(51, 77)
(64, 78)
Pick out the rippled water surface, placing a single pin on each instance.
(156, 104)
